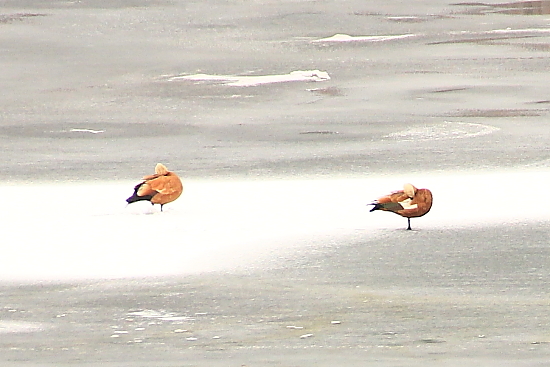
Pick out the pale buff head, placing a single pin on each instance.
(160, 169)
(409, 189)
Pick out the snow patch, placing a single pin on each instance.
(87, 131)
(86, 231)
(255, 80)
(348, 38)
(443, 131)
(9, 327)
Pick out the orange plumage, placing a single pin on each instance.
(409, 202)
(163, 187)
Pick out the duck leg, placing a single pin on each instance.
(409, 221)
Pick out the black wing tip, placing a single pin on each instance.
(135, 197)
(132, 199)
(376, 206)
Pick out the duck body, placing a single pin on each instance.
(163, 187)
(409, 202)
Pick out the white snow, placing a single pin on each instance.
(9, 326)
(80, 231)
(87, 131)
(254, 80)
(445, 130)
(348, 38)
(519, 31)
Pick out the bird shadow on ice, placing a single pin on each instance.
(141, 208)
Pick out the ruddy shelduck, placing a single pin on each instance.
(409, 202)
(161, 188)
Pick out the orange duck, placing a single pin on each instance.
(409, 202)
(161, 188)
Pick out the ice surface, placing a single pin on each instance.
(83, 231)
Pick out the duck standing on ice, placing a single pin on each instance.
(161, 188)
(409, 202)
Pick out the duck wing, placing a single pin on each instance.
(165, 185)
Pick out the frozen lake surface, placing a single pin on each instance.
(284, 119)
